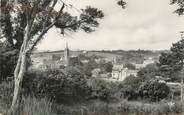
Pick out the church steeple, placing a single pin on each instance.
(66, 45)
(67, 54)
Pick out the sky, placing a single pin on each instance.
(144, 24)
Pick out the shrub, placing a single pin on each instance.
(130, 66)
(6, 93)
(8, 59)
(88, 67)
(60, 86)
(103, 90)
(129, 87)
(106, 66)
(148, 72)
(154, 90)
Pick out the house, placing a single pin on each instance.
(119, 73)
(131, 72)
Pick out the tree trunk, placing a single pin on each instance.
(20, 71)
(182, 90)
(21, 67)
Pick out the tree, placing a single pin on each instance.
(179, 11)
(154, 90)
(88, 67)
(169, 66)
(130, 66)
(129, 87)
(122, 3)
(27, 21)
(74, 61)
(171, 63)
(148, 72)
(106, 66)
(180, 8)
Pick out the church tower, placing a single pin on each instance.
(67, 55)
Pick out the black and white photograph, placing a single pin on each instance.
(91, 57)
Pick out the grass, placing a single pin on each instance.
(122, 108)
(33, 106)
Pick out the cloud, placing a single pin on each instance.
(144, 24)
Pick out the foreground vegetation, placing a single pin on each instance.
(34, 106)
(52, 93)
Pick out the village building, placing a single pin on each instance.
(119, 73)
(43, 61)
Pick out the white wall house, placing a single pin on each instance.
(119, 73)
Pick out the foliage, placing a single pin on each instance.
(83, 57)
(6, 89)
(59, 86)
(33, 106)
(88, 67)
(122, 3)
(106, 66)
(148, 72)
(180, 6)
(44, 15)
(171, 63)
(154, 90)
(129, 87)
(75, 61)
(8, 59)
(160, 108)
(103, 90)
(129, 66)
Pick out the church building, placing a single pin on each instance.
(67, 55)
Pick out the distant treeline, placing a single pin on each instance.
(131, 51)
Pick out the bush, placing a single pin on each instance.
(130, 66)
(106, 67)
(103, 90)
(154, 90)
(6, 93)
(88, 67)
(67, 86)
(148, 72)
(8, 59)
(129, 87)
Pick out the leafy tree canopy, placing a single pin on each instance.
(130, 66)
(180, 6)
(148, 72)
(171, 63)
